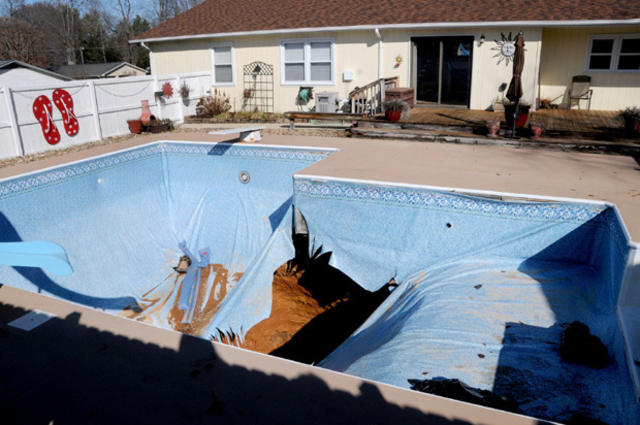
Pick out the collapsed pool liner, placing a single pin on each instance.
(189, 292)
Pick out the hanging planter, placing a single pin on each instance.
(184, 91)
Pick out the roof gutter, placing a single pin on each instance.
(435, 25)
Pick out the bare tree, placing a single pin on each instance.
(167, 9)
(68, 26)
(21, 41)
(126, 27)
(9, 7)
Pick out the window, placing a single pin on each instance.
(307, 61)
(614, 53)
(222, 62)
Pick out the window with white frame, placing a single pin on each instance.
(222, 60)
(307, 61)
(614, 53)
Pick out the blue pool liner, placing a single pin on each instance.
(486, 288)
(477, 276)
(121, 217)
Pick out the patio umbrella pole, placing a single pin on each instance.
(514, 93)
(515, 118)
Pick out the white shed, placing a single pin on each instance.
(15, 73)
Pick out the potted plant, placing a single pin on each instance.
(545, 104)
(185, 90)
(394, 109)
(498, 104)
(631, 117)
(523, 114)
(536, 130)
(135, 126)
(159, 126)
(492, 128)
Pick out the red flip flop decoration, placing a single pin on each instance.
(42, 109)
(64, 102)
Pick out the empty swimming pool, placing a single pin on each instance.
(486, 282)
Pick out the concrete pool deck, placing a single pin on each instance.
(609, 178)
(85, 366)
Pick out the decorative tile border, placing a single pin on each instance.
(451, 201)
(32, 181)
(247, 151)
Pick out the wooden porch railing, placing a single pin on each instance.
(369, 99)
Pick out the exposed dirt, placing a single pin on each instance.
(315, 308)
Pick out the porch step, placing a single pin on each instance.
(619, 148)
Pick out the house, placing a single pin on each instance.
(17, 73)
(453, 53)
(100, 70)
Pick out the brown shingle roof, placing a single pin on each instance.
(226, 16)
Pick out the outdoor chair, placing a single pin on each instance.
(580, 89)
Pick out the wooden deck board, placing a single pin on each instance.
(559, 120)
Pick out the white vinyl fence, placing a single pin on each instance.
(102, 108)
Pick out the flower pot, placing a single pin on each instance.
(632, 127)
(523, 114)
(135, 126)
(492, 128)
(536, 131)
(393, 115)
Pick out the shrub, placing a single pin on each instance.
(396, 105)
(631, 113)
(211, 106)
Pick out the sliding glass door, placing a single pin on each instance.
(442, 69)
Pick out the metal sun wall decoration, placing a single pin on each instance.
(506, 48)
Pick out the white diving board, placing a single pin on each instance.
(247, 134)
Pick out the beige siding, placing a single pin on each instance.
(486, 74)
(564, 54)
(126, 71)
(356, 51)
(353, 50)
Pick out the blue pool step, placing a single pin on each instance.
(46, 255)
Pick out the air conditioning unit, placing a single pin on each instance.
(327, 101)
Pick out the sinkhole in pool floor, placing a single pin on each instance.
(407, 285)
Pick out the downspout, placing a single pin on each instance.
(379, 36)
(142, 43)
